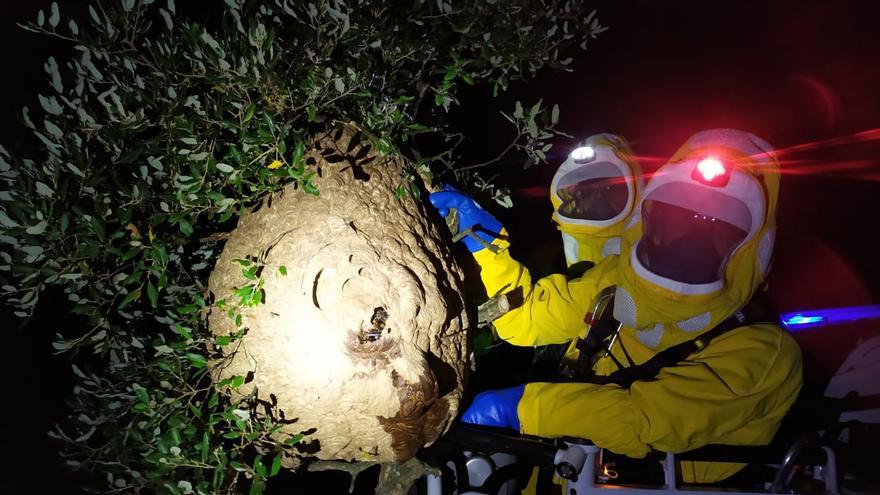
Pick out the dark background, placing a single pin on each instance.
(804, 75)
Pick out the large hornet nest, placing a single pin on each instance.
(363, 341)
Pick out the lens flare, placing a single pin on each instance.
(583, 154)
(711, 168)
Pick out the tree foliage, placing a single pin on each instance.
(161, 127)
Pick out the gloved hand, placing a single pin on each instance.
(495, 408)
(470, 214)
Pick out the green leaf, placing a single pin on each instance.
(7, 222)
(50, 105)
(210, 41)
(276, 465)
(310, 188)
(141, 393)
(99, 228)
(182, 331)
(73, 168)
(54, 15)
(257, 487)
(94, 14)
(153, 294)
(44, 190)
(297, 154)
(282, 270)
(203, 447)
(245, 291)
(161, 254)
(185, 226)
(197, 360)
(169, 24)
(554, 115)
(129, 298)
(270, 122)
(535, 108)
(249, 113)
(259, 467)
(64, 222)
(38, 228)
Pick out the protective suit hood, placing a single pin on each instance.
(700, 240)
(594, 192)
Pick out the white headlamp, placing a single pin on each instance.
(583, 154)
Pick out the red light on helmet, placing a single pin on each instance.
(712, 172)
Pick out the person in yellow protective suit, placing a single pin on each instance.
(699, 246)
(593, 193)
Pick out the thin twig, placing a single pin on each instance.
(513, 144)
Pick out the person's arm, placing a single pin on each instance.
(736, 391)
(553, 308)
(499, 272)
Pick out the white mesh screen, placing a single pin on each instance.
(696, 323)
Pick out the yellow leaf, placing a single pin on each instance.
(150, 233)
(275, 164)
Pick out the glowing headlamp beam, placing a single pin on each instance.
(822, 317)
(710, 168)
(583, 154)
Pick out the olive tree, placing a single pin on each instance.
(164, 125)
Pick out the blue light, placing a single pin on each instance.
(832, 316)
(800, 319)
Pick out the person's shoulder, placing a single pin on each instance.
(766, 336)
(769, 337)
(754, 353)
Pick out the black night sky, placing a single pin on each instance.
(804, 75)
